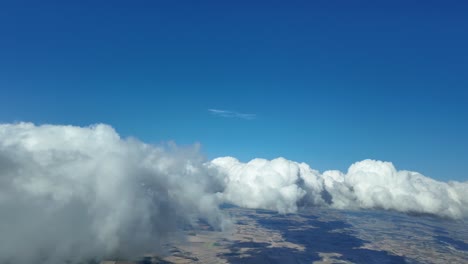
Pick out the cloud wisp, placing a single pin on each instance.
(232, 114)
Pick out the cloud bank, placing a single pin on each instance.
(80, 193)
(76, 194)
(231, 114)
(283, 185)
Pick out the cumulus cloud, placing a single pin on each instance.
(232, 114)
(377, 184)
(276, 185)
(74, 194)
(284, 185)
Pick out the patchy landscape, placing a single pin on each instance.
(321, 236)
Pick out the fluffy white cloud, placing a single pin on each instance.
(71, 193)
(278, 184)
(78, 193)
(282, 185)
(377, 184)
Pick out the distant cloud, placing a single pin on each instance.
(232, 114)
(285, 185)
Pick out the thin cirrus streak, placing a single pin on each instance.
(70, 194)
(232, 114)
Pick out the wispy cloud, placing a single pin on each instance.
(232, 114)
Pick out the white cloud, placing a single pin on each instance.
(72, 193)
(77, 193)
(232, 114)
(282, 185)
(278, 184)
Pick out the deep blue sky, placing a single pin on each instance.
(330, 82)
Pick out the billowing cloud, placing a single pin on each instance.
(72, 194)
(232, 114)
(284, 185)
(377, 184)
(278, 184)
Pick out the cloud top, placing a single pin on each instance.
(80, 193)
(284, 185)
(72, 194)
(232, 114)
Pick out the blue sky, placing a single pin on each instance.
(324, 82)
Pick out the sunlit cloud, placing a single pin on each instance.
(64, 188)
(70, 194)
